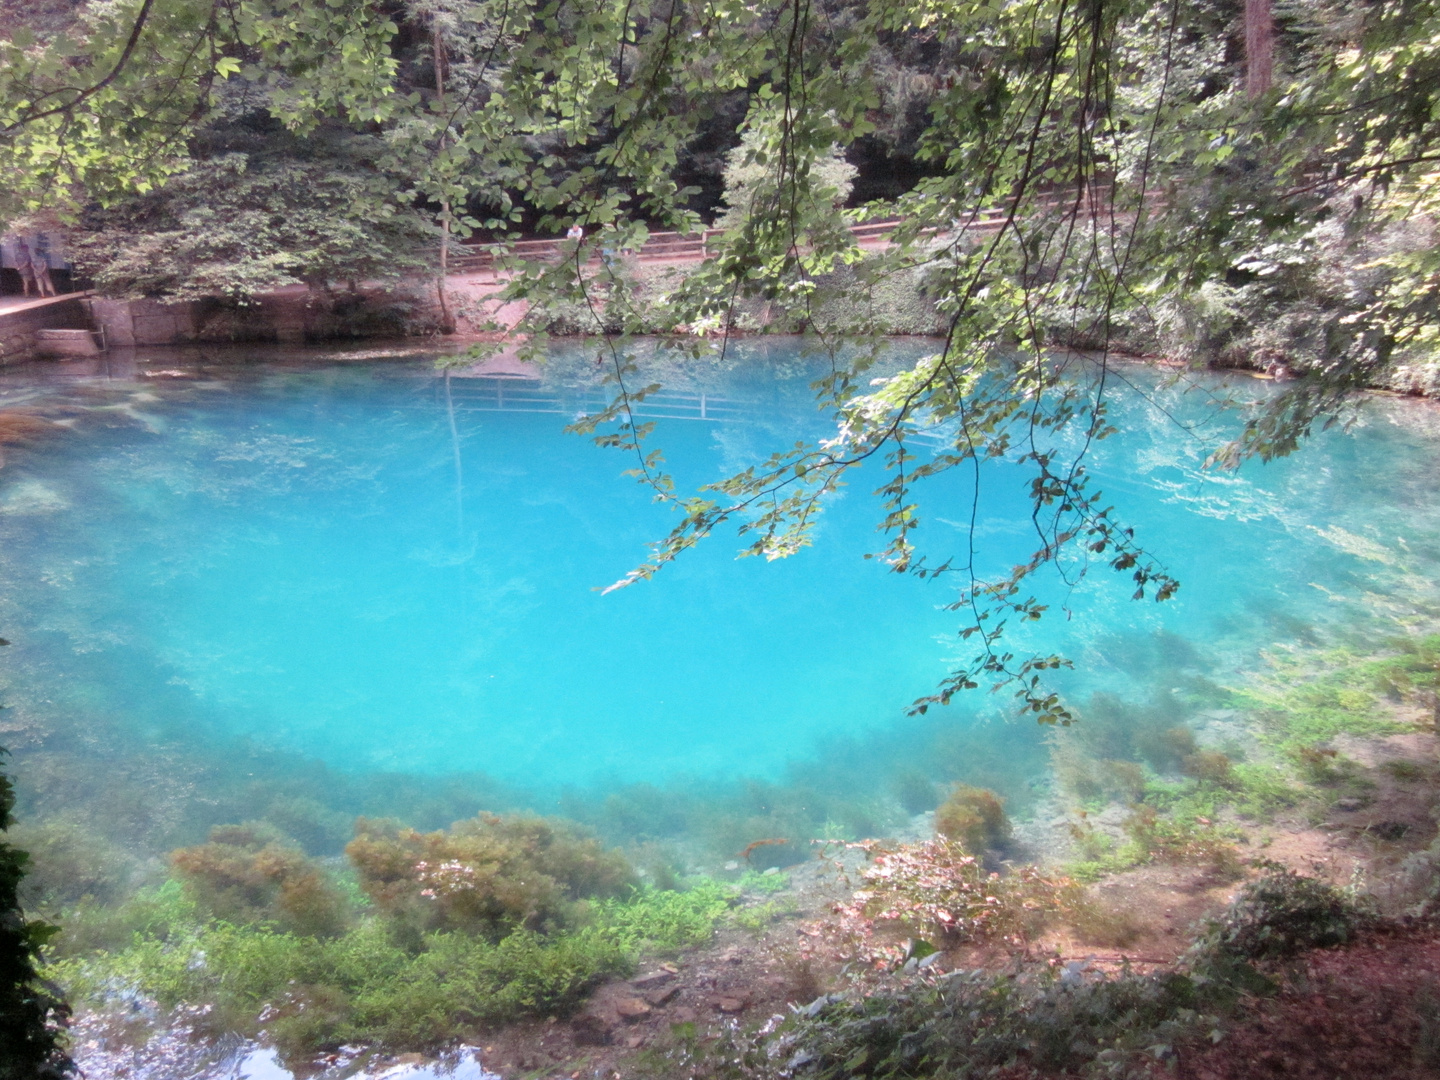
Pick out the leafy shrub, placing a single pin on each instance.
(1278, 915)
(31, 1014)
(973, 817)
(488, 875)
(245, 875)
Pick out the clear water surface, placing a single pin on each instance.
(334, 561)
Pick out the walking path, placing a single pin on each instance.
(12, 304)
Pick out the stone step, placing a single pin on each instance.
(66, 343)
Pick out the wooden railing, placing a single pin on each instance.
(687, 247)
(658, 247)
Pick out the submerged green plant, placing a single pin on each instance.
(244, 874)
(487, 875)
(372, 985)
(771, 881)
(973, 817)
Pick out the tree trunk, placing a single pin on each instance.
(1259, 46)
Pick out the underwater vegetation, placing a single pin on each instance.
(246, 875)
(487, 876)
(423, 937)
(938, 890)
(975, 818)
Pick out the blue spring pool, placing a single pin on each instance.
(341, 561)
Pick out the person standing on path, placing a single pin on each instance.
(25, 267)
(40, 266)
(30, 272)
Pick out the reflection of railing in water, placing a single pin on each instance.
(533, 396)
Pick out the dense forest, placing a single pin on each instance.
(1227, 183)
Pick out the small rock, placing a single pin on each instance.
(1349, 805)
(663, 996)
(730, 1004)
(671, 968)
(634, 1042)
(632, 1009)
(655, 978)
(771, 870)
(684, 1015)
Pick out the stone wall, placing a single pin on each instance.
(17, 328)
(287, 316)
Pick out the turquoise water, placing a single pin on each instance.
(229, 570)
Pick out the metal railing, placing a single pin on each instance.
(512, 393)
